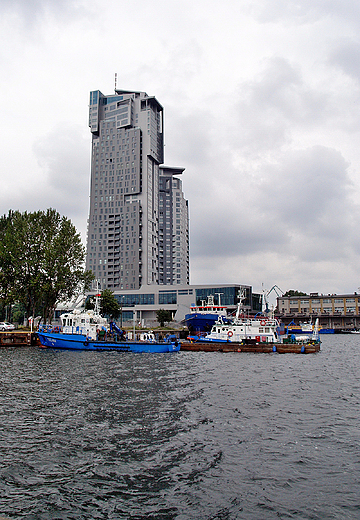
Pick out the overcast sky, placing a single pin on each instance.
(262, 108)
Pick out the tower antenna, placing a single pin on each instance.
(115, 81)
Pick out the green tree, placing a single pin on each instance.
(163, 316)
(63, 271)
(108, 304)
(17, 313)
(10, 243)
(41, 261)
(294, 293)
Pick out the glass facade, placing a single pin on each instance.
(227, 295)
(167, 297)
(129, 300)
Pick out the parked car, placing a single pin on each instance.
(4, 325)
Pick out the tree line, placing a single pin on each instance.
(41, 261)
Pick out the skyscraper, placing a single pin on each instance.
(138, 219)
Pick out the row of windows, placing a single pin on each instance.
(222, 295)
(325, 302)
(165, 297)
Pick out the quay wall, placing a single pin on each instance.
(19, 339)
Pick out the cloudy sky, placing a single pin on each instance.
(262, 108)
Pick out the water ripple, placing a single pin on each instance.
(201, 436)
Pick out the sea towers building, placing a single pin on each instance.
(138, 228)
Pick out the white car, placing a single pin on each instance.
(4, 325)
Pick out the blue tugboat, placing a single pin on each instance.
(88, 330)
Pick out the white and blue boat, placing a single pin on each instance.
(257, 330)
(88, 330)
(306, 328)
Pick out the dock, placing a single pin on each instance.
(18, 339)
(259, 348)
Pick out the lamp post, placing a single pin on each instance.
(121, 311)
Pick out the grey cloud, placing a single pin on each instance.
(314, 177)
(300, 206)
(299, 12)
(226, 236)
(251, 194)
(270, 106)
(303, 11)
(231, 218)
(347, 57)
(63, 155)
(189, 143)
(189, 137)
(31, 12)
(310, 191)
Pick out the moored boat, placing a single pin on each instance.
(306, 328)
(202, 317)
(88, 330)
(260, 333)
(59, 340)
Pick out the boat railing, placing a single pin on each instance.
(46, 327)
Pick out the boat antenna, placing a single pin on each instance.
(241, 296)
(219, 295)
(97, 299)
(115, 81)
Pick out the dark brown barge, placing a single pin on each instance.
(265, 348)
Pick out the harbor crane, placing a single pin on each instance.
(277, 291)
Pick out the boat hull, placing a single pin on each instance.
(299, 330)
(200, 322)
(80, 342)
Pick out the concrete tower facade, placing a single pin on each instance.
(123, 229)
(173, 229)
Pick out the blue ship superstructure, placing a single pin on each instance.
(202, 317)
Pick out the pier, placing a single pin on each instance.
(18, 339)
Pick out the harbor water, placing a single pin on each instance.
(188, 435)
